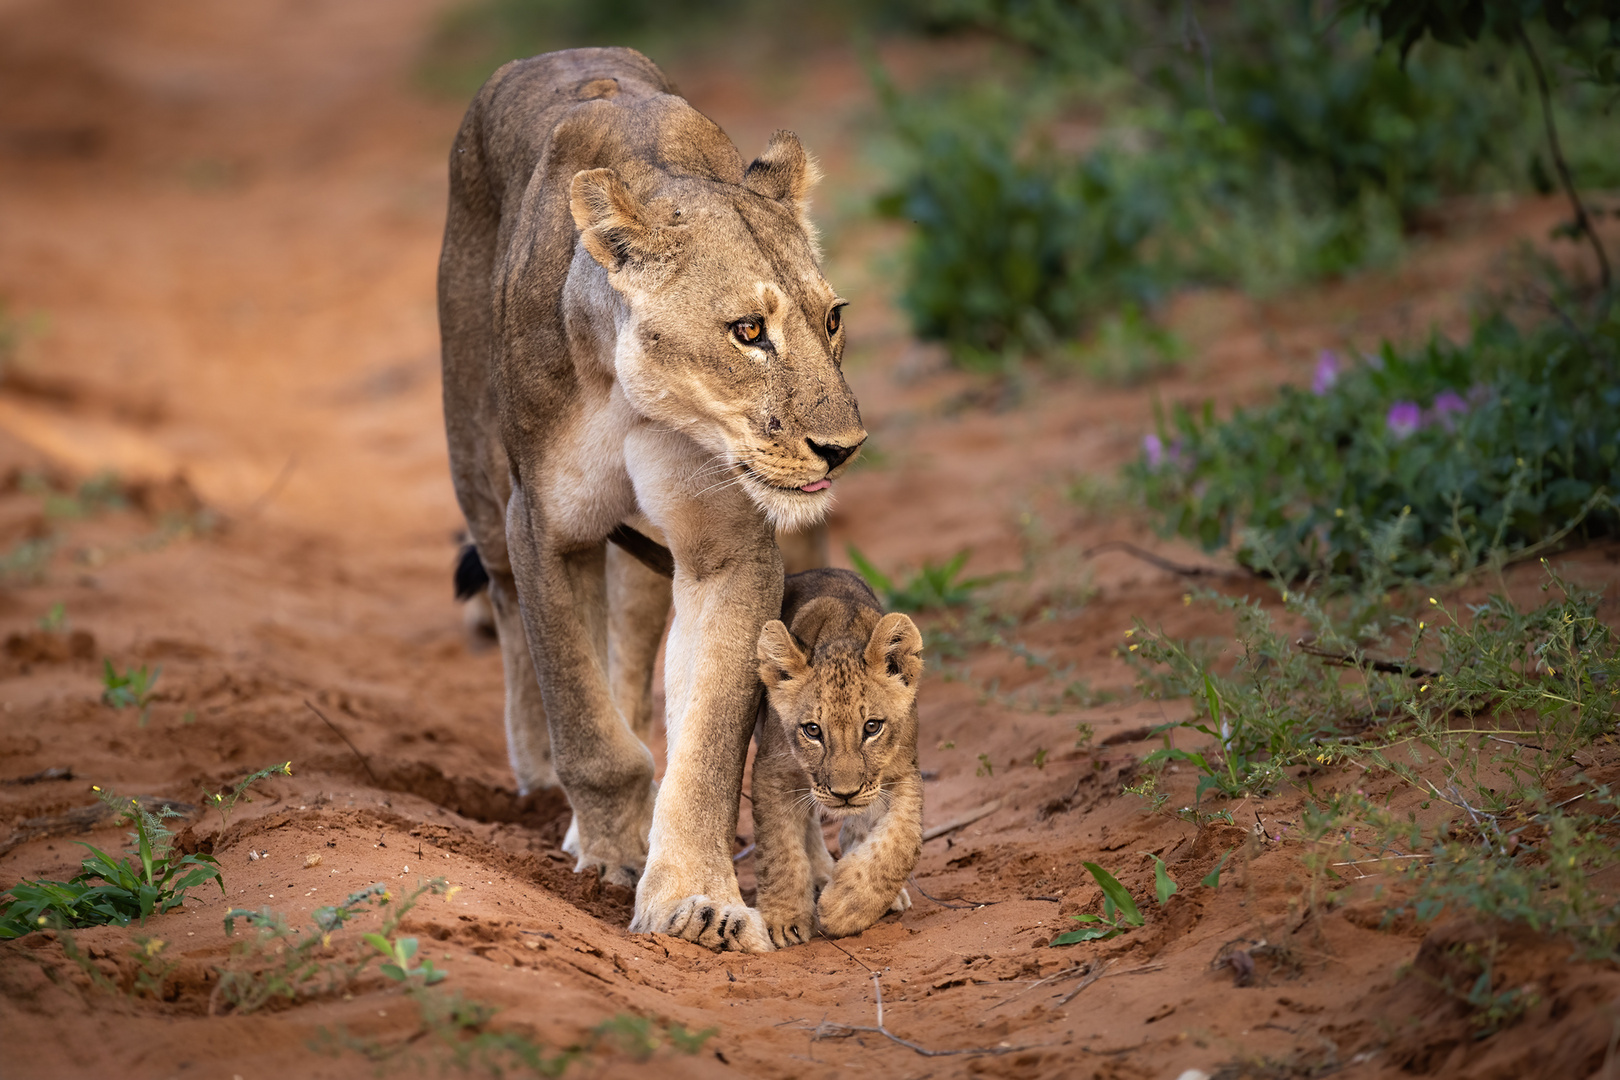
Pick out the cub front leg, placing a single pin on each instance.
(870, 879)
(783, 860)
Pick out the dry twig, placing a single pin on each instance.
(352, 748)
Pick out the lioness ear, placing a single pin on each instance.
(780, 657)
(895, 649)
(786, 173)
(612, 221)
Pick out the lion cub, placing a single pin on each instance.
(837, 735)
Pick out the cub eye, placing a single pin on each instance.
(811, 731)
(835, 319)
(748, 331)
(873, 726)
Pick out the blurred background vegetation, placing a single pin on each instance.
(1097, 158)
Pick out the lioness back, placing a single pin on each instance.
(837, 735)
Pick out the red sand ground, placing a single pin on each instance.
(229, 217)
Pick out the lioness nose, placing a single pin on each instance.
(834, 456)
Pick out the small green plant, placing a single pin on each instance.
(152, 880)
(399, 952)
(1120, 912)
(129, 689)
(641, 1038)
(1040, 757)
(1147, 789)
(932, 587)
(986, 766)
(280, 962)
(1084, 734)
(225, 800)
(152, 967)
(55, 621)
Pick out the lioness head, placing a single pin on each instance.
(732, 335)
(843, 683)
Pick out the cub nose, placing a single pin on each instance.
(834, 456)
(846, 795)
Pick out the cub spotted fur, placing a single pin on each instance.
(837, 735)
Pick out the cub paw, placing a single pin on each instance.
(901, 902)
(842, 911)
(728, 927)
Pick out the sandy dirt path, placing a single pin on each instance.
(219, 226)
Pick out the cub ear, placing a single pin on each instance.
(784, 172)
(896, 649)
(612, 222)
(780, 658)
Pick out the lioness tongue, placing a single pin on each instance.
(818, 485)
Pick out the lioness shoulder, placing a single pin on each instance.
(837, 734)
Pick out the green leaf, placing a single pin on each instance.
(1164, 887)
(394, 971)
(874, 577)
(1114, 893)
(1074, 937)
(405, 947)
(380, 943)
(1212, 880)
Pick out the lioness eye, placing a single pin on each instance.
(873, 726)
(812, 731)
(748, 330)
(835, 319)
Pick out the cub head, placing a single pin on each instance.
(845, 691)
(732, 336)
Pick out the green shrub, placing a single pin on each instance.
(154, 881)
(1280, 147)
(1418, 464)
(1014, 252)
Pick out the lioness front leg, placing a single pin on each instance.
(728, 582)
(869, 879)
(605, 770)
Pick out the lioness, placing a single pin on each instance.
(635, 331)
(837, 735)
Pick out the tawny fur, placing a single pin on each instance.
(837, 735)
(604, 242)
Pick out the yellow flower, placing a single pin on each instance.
(1433, 601)
(1130, 633)
(153, 946)
(1186, 599)
(451, 891)
(1134, 648)
(1422, 688)
(95, 787)
(1339, 512)
(287, 768)
(1420, 624)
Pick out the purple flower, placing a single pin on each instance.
(1327, 372)
(1154, 449)
(1404, 418)
(1449, 401)
(1446, 404)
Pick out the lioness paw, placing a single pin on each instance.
(728, 927)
